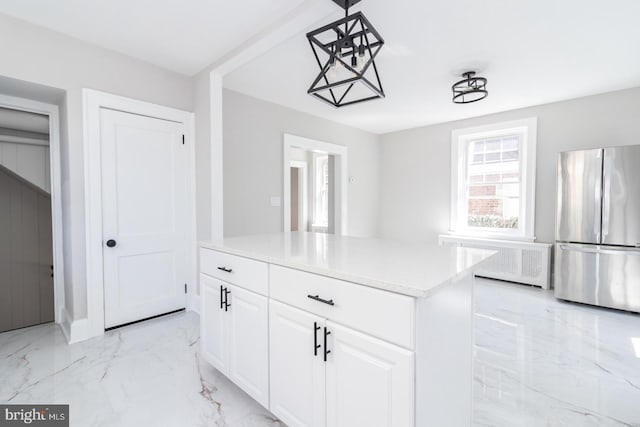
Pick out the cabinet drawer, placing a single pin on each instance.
(379, 313)
(244, 272)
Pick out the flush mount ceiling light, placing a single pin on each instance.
(345, 51)
(470, 89)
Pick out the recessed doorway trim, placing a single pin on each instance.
(303, 189)
(93, 102)
(53, 113)
(341, 177)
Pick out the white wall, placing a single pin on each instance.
(48, 58)
(416, 172)
(253, 144)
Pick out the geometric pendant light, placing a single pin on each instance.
(345, 51)
(470, 89)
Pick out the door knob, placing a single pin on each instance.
(111, 243)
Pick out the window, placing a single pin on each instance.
(493, 180)
(321, 191)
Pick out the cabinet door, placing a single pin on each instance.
(297, 371)
(248, 328)
(369, 382)
(213, 333)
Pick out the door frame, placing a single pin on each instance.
(51, 111)
(93, 101)
(340, 178)
(302, 193)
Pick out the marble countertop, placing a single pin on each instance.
(414, 269)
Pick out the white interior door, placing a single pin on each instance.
(248, 328)
(369, 381)
(213, 328)
(297, 382)
(145, 216)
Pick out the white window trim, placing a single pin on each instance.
(459, 139)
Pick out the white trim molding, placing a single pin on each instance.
(340, 176)
(93, 101)
(217, 145)
(74, 330)
(53, 113)
(526, 129)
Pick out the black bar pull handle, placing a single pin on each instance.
(221, 297)
(226, 299)
(324, 301)
(225, 269)
(326, 350)
(316, 346)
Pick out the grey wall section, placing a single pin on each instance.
(416, 172)
(26, 254)
(253, 170)
(38, 55)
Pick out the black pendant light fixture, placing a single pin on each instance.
(470, 89)
(345, 51)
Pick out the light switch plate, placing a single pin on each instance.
(275, 201)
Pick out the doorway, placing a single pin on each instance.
(315, 186)
(141, 205)
(31, 258)
(26, 241)
(144, 216)
(299, 198)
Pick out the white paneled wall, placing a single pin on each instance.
(30, 161)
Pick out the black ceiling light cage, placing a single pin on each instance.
(470, 89)
(345, 51)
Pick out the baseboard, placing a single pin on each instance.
(193, 303)
(65, 323)
(74, 330)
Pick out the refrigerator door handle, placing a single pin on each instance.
(606, 197)
(600, 250)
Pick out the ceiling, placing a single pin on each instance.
(182, 36)
(532, 52)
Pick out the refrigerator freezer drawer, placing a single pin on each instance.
(599, 275)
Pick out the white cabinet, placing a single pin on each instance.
(359, 307)
(296, 365)
(212, 323)
(235, 335)
(248, 329)
(324, 374)
(368, 382)
(392, 359)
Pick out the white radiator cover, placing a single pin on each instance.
(520, 262)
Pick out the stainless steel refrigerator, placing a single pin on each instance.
(597, 253)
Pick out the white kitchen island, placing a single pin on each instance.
(330, 331)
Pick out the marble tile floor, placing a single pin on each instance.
(538, 362)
